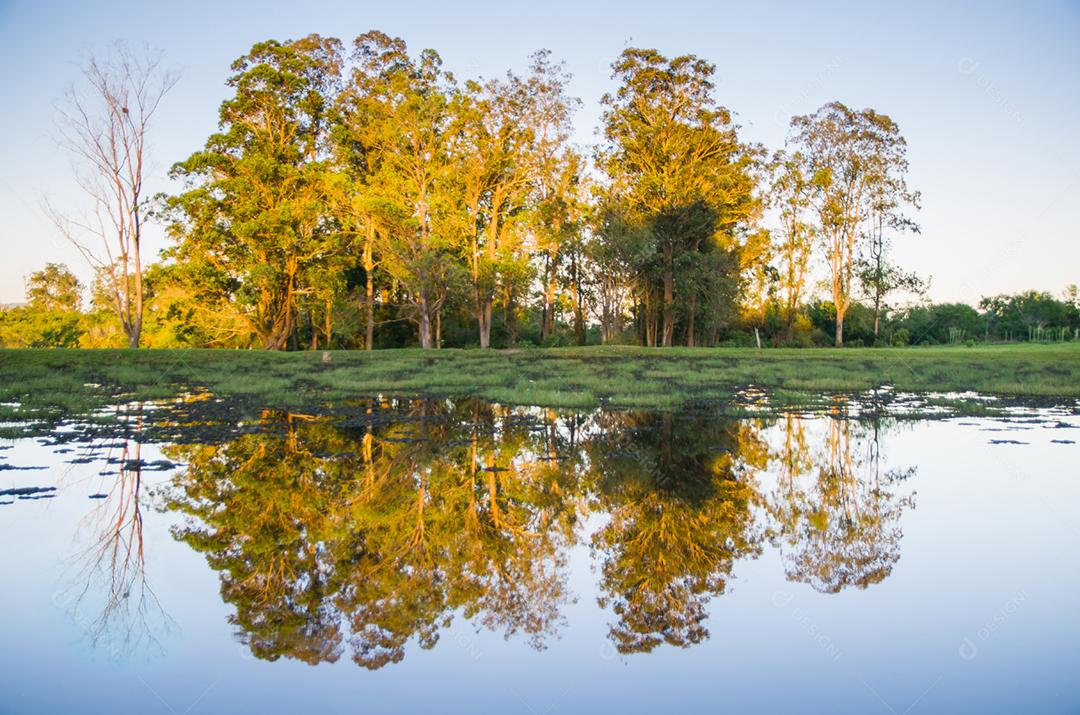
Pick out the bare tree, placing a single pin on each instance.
(104, 121)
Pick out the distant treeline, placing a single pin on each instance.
(52, 318)
(366, 197)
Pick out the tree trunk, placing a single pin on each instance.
(424, 323)
(369, 291)
(669, 299)
(839, 329)
(136, 324)
(547, 322)
(579, 311)
(690, 321)
(510, 319)
(483, 319)
(328, 323)
(650, 318)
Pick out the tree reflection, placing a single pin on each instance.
(445, 509)
(835, 514)
(368, 534)
(110, 594)
(679, 518)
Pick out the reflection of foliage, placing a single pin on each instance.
(841, 529)
(313, 536)
(268, 505)
(678, 522)
(367, 534)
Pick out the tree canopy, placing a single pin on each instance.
(362, 195)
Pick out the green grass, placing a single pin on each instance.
(51, 383)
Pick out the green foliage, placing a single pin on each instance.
(370, 198)
(51, 317)
(254, 218)
(30, 327)
(1031, 315)
(680, 191)
(54, 288)
(940, 323)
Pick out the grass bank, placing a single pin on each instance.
(58, 382)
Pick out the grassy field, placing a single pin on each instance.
(60, 382)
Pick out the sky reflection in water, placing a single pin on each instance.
(473, 557)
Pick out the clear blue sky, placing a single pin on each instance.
(987, 95)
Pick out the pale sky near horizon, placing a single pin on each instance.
(986, 95)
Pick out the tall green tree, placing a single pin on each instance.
(557, 172)
(492, 147)
(256, 213)
(675, 164)
(789, 195)
(50, 318)
(400, 117)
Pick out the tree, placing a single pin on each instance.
(26, 327)
(1030, 315)
(760, 279)
(789, 194)
(556, 170)
(940, 323)
(675, 165)
(878, 277)
(492, 146)
(401, 118)
(856, 162)
(54, 288)
(617, 250)
(360, 117)
(104, 125)
(255, 216)
(876, 273)
(50, 318)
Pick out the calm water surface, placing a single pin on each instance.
(429, 556)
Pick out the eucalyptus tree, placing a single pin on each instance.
(876, 273)
(402, 119)
(673, 158)
(517, 182)
(856, 163)
(619, 248)
(789, 195)
(491, 151)
(557, 170)
(360, 127)
(256, 216)
(560, 218)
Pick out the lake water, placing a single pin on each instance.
(435, 556)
